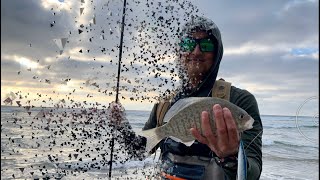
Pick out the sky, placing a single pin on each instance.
(270, 49)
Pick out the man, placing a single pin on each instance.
(213, 155)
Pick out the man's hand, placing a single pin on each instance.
(225, 141)
(116, 113)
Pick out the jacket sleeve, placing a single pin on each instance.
(252, 138)
(152, 121)
(130, 142)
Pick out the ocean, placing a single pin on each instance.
(72, 144)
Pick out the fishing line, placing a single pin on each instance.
(254, 139)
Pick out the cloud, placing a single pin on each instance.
(270, 48)
(289, 50)
(23, 61)
(254, 48)
(296, 3)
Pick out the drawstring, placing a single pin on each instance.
(209, 93)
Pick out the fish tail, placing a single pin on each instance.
(152, 138)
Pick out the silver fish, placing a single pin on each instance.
(242, 163)
(186, 113)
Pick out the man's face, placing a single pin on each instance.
(196, 62)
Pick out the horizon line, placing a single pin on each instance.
(144, 110)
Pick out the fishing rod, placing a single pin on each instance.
(118, 79)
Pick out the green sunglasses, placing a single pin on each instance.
(189, 44)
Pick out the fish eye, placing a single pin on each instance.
(241, 116)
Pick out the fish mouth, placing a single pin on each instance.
(248, 124)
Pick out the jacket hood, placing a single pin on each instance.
(198, 23)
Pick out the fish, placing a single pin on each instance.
(186, 114)
(242, 163)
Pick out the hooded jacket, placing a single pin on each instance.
(242, 98)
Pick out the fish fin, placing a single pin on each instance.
(175, 139)
(188, 143)
(180, 105)
(152, 138)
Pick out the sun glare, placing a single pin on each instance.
(27, 62)
(48, 4)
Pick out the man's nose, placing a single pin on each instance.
(196, 50)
